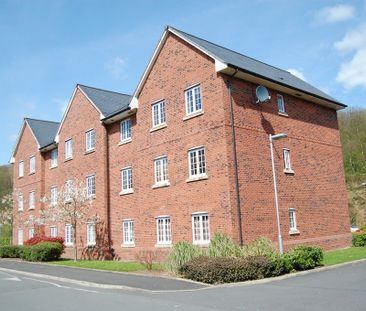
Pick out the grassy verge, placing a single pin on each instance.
(118, 266)
(344, 255)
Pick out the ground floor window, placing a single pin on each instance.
(200, 228)
(30, 233)
(163, 229)
(90, 234)
(53, 231)
(292, 218)
(128, 232)
(20, 236)
(69, 235)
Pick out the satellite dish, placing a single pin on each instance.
(262, 94)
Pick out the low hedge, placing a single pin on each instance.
(41, 239)
(304, 257)
(226, 269)
(359, 239)
(10, 251)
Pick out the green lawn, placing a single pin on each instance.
(344, 255)
(119, 266)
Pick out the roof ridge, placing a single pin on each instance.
(27, 118)
(218, 45)
(104, 90)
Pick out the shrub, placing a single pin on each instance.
(305, 257)
(5, 241)
(181, 253)
(41, 239)
(223, 246)
(226, 269)
(10, 251)
(46, 251)
(259, 247)
(359, 239)
(280, 265)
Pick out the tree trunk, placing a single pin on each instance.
(75, 243)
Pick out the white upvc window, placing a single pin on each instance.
(30, 233)
(69, 235)
(32, 199)
(21, 168)
(128, 232)
(90, 234)
(90, 185)
(126, 179)
(54, 156)
(32, 164)
(161, 170)
(200, 228)
(158, 114)
(67, 190)
(292, 218)
(197, 162)
(20, 202)
(54, 196)
(68, 149)
(125, 130)
(163, 230)
(287, 160)
(281, 104)
(20, 237)
(193, 100)
(90, 140)
(53, 231)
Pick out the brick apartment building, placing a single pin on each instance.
(188, 155)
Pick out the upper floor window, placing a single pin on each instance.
(67, 191)
(287, 161)
(126, 177)
(292, 217)
(128, 232)
(90, 234)
(32, 164)
(54, 156)
(197, 162)
(201, 228)
(53, 196)
(20, 236)
(125, 130)
(32, 199)
(53, 231)
(68, 149)
(69, 235)
(90, 140)
(21, 168)
(280, 103)
(90, 185)
(30, 233)
(20, 202)
(161, 170)
(158, 114)
(193, 100)
(163, 229)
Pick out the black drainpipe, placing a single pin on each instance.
(235, 160)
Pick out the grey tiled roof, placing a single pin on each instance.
(44, 131)
(107, 102)
(254, 67)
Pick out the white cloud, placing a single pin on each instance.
(117, 67)
(334, 14)
(297, 73)
(352, 73)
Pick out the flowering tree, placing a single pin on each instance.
(71, 205)
(6, 210)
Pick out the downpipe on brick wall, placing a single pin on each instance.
(233, 140)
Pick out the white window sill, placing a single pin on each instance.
(197, 178)
(125, 141)
(283, 114)
(201, 243)
(290, 172)
(32, 173)
(52, 167)
(165, 245)
(158, 127)
(161, 185)
(91, 244)
(20, 176)
(68, 159)
(20, 210)
(31, 208)
(193, 115)
(89, 151)
(69, 244)
(125, 192)
(91, 197)
(132, 245)
(294, 232)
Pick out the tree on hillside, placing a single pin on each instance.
(72, 205)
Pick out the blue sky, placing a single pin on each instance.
(47, 47)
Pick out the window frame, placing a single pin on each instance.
(30, 233)
(281, 104)
(32, 202)
(54, 158)
(69, 234)
(21, 169)
(54, 196)
(20, 236)
(287, 165)
(66, 191)
(20, 206)
(161, 162)
(90, 192)
(128, 232)
(292, 221)
(32, 164)
(91, 235)
(129, 180)
(53, 231)
(161, 114)
(68, 149)
(198, 163)
(163, 230)
(125, 129)
(195, 110)
(90, 140)
(201, 240)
